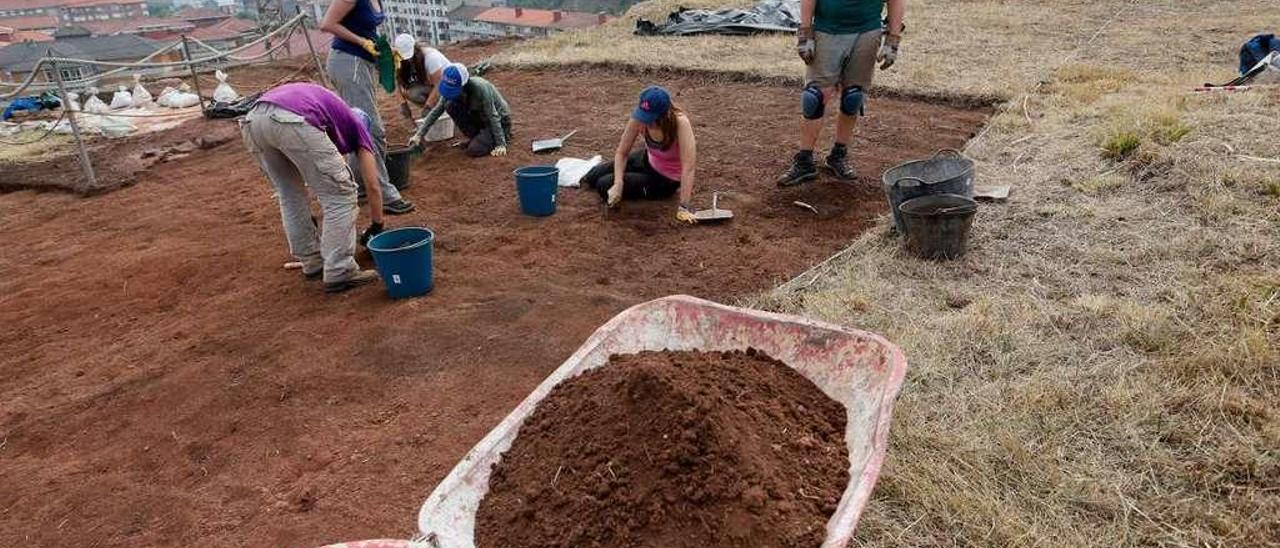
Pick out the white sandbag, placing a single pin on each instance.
(122, 99)
(179, 99)
(73, 101)
(165, 95)
(572, 169)
(63, 128)
(224, 93)
(114, 126)
(141, 97)
(94, 104)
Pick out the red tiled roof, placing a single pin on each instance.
(298, 44)
(81, 3)
(223, 30)
(39, 4)
(134, 25)
(30, 22)
(14, 36)
(199, 13)
(539, 18)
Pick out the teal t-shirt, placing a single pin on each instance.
(847, 16)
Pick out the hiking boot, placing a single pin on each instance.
(361, 277)
(838, 164)
(398, 207)
(313, 276)
(801, 170)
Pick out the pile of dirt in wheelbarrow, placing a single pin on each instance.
(672, 449)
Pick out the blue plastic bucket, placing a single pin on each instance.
(403, 259)
(536, 187)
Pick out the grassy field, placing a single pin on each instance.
(1102, 369)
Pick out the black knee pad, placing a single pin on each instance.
(852, 101)
(812, 103)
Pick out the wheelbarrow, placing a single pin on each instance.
(861, 370)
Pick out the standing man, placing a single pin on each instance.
(840, 42)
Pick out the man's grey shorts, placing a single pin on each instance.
(845, 59)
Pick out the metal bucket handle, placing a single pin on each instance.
(916, 179)
(950, 152)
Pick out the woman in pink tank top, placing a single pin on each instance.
(662, 168)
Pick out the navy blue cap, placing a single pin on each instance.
(654, 104)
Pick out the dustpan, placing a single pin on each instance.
(548, 145)
(715, 213)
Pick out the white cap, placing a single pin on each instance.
(405, 45)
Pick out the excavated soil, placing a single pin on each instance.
(164, 382)
(677, 449)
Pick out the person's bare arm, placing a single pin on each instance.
(806, 12)
(620, 159)
(897, 12)
(332, 22)
(688, 159)
(369, 174)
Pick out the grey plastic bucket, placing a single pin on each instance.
(938, 225)
(946, 172)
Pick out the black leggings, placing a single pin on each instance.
(639, 180)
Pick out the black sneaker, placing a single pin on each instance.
(801, 170)
(361, 277)
(398, 207)
(838, 165)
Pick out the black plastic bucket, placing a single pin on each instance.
(946, 172)
(398, 162)
(938, 225)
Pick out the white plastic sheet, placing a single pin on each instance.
(861, 370)
(572, 169)
(94, 104)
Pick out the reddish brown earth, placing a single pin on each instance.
(677, 449)
(164, 382)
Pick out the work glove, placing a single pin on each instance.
(805, 46)
(368, 234)
(369, 46)
(499, 151)
(415, 141)
(615, 195)
(685, 216)
(888, 53)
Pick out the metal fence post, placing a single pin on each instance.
(75, 127)
(324, 76)
(195, 78)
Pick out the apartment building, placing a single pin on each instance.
(427, 20)
(75, 11)
(478, 22)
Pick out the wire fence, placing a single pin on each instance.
(209, 59)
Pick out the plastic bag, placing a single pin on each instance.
(183, 98)
(73, 101)
(141, 97)
(122, 99)
(94, 104)
(573, 169)
(164, 98)
(224, 93)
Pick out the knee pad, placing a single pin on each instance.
(812, 103)
(852, 101)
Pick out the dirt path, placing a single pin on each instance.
(165, 382)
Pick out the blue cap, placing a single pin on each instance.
(654, 104)
(452, 81)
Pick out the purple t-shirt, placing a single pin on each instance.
(325, 111)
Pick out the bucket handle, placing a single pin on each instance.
(918, 181)
(949, 152)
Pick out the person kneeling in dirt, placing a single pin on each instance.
(477, 109)
(665, 164)
(300, 133)
(421, 69)
(840, 42)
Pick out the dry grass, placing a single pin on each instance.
(1102, 369)
(28, 151)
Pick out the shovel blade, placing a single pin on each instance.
(712, 215)
(548, 145)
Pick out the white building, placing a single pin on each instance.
(426, 20)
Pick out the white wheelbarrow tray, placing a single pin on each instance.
(861, 370)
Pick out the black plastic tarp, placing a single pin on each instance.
(767, 16)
